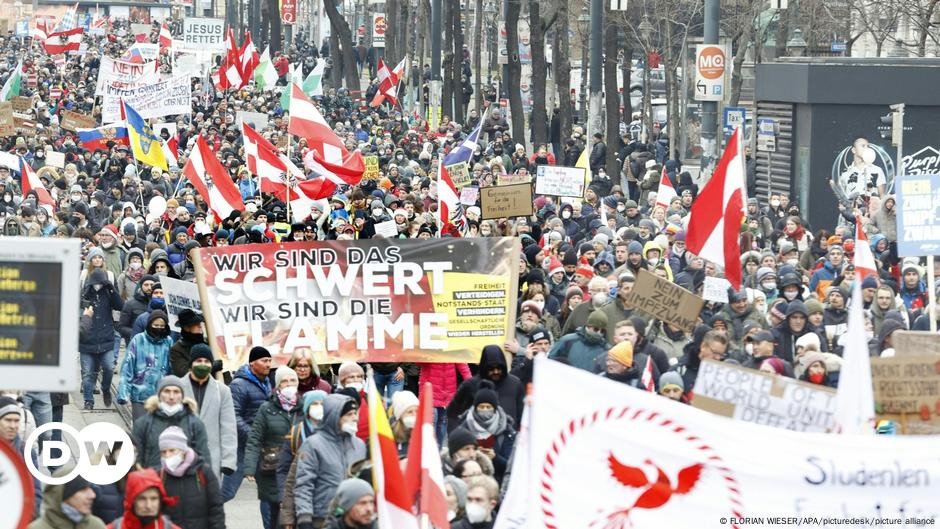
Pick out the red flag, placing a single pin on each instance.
(64, 41)
(864, 260)
(666, 192)
(647, 379)
(263, 161)
(715, 220)
(31, 182)
(307, 122)
(249, 58)
(166, 38)
(424, 478)
(212, 181)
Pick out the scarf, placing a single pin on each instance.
(286, 404)
(134, 275)
(188, 459)
(483, 429)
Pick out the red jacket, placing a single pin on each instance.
(138, 482)
(443, 378)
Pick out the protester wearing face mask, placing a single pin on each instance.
(404, 410)
(323, 460)
(168, 407)
(188, 477)
(482, 497)
(216, 410)
(96, 346)
(352, 376)
(145, 502)
(146, 361)
(274, 421)
(128, 280)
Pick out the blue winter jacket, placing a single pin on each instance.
(146, 361)
(248, 394)
(100, 336)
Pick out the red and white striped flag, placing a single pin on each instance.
(666, 192)
(166, 38)
(263, 161)
(43, 25)
(31, 182)
(249, 59)
(64, 41)
(715, 220)
(646, 380)
(424, 478)
(229, 74)
(170, 149)
(864, 260)
(212, 181)
(307, 122)
(388, 83)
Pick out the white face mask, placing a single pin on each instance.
(599, 299)
(315, 413)
(653, 261)
(136, 265)
(409, 421)
(290, 392)
(790, 295)
(476, 513)
(350, 427)
(170, 410)
(173, 462)
(793, 262)
(355, 385)
(376, 212)
(566, 214)
(451, 515)
(774, 203)
(749, 348)
(769, 286)
(251, 207)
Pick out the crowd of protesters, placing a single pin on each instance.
(298, 430)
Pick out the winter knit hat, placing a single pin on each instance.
(7, 406)
(460, 489)
(532, 307)
(257, 353)
(77, 484)
(486, 394)
(669, 379)
(282, 373)
(585, 269)
(200, 350)
(763, 272)
(460, 438)
(347, 369)
(169, 381)
(809, 341)
(573, 291)
(173, 437)
(350, 491)
(813, 306)
(555, 266)
(569, 259)
(622, 353)
(597, 319)
(402, 401)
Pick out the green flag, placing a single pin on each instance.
(296, 76)
(313, 84)
(265, 73)
(11, 88)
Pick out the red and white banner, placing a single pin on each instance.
(125, 73)
(64, 41)
(289, 12)
(212, 181)
(263, 161)
(619, 457)
(666, 192)
(307, 122)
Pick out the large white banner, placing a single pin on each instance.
(129, 73)
(164, 98)
(606, 455)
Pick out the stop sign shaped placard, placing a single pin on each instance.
(711, 62)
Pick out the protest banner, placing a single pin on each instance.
(372, 167)
(383, 300)
(459, 174)
(506, 201)
(55, 159)
(772, 400)
(559, 181)
(39, 297)
(21, 104)
(7, 120)
(73, 121)
(469, 195)
(907, 390)
(179, 295)
(665, 300)
(918, 224)
(203, 33)
(24, 126)
(126, 72)
(193, 63)
(514, 178)
(715, 289)
(257, 120)
(600, 459)
(164, 98)
(915, 343)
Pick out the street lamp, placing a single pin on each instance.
(584, 24)
(796, 45)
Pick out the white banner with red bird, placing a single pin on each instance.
(609, 456)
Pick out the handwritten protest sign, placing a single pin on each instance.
(469, 195)
(7, 123)
(907, 390)
(715, 289)
(372, 167)
(179, 295)
(73, 121)
(21, 104)
(459, 174)
(164, 98)
(506, 201)
(915, 343)
(752, 396)
(665, 301)
(125, 73)
(510, 179)
(387, 229)
(559, 181)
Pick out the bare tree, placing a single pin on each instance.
(920, 15)
(457, 75)
(538, 26)
(612, 106)
(878, 18)
(513, 80)
(562, 67)
(340, 28)
(477, 55)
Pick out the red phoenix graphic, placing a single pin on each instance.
(655, 495)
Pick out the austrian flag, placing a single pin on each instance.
(212, 181)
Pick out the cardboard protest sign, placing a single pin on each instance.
(907, 390)
(506, 201)
(459, 174)
(469, 195)
(381, 300)
(55, 159)
(372, 167)
(24, 126)
(715, 289)
(665, 301)
(7, 123)
(179, 295)
(21, 104)
(126, 73)
(559, 181)
(510, 179)
(257, 120)
(752, 396)
(73, 121)
(915, 343)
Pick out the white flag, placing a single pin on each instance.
(513, 511)
(855, 401)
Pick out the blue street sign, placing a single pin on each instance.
(734, 117)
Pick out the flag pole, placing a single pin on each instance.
(290, 220)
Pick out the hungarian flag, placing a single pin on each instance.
(31, 182)
(666, 192)
(307, 122)
(715, 220)
(212, 181)
(166, 38)
(392, 503)
(313, 84)
(265, 73)
(64, 41)
(864, 260)
(263, 160)
(424, 479)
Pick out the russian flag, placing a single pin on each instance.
(93, 139)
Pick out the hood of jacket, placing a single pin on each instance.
(492, 356)
(332, 410)
(140, 481)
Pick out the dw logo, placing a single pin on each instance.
(106, 453)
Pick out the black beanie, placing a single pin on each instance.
(353, 394)
(200, 350)
(8, 405)
(570, 259)
(486, 394)
(348, 406)
(460, 438)
(74, 486)
(257, 353)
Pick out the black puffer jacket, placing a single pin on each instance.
(137, 305)
(509, 388)
(200, 502)
(100, 336)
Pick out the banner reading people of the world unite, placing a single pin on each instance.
(378, 300)
(607, 455)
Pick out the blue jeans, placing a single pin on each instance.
(115, 351)
(40, 403)
(387, 382)
(231, 483)
(440, 425)
(269, 514)
(91, 363)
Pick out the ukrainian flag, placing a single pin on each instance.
(144, 144)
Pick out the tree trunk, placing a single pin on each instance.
(422, 25)
(610, 91)
(459, 103)
(274, 19)
(340, 29)
(336, 73)
(671, 64)
(626, 72)
(393, 27)
(447, 58)
(514, 78)
(539, 117)
(783, 25)
(477, 56)
(737, 76)
(561, 64)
